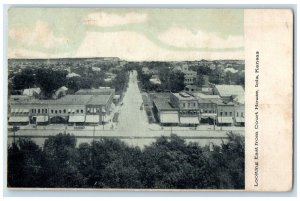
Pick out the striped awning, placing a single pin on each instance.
(16, 119)
(208, 115)
(25, 110)
(240, 119)
(189, 120)
(92, 119)
(41, 119)
(76, 119)
(169, 118)
(225, 120)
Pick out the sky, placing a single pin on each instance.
(130, 34)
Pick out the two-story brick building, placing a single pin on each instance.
(71, 109)
(188, 108)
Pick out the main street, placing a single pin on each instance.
(132, 119)
(133, 126)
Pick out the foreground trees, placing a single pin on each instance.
(110, 163)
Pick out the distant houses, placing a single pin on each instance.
(62, 91)
(32, 92)
(70, 75)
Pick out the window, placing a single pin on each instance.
(77, 111)
(39, 110)
(64, 110)
(81, 111)
(42, 110)
(194, 104)
(189, 104)
(183, 104)
(230, 113)
(52, 111)
(55, 111)
(59, 111)
(237, 114)
(242, 114)
(46, 111)
(221, 113)
(32, 110)
(225, 113)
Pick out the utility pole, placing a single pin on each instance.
(221, 119)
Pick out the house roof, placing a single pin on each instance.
(229, 90)
(73, 75)
(31, 91)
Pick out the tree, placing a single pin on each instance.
(23, 80)
(200, 80)
(121, 81)
(167, 163)
(61, 164)
(50, 80)
(113, 165)
(24, 164)
(176, 81)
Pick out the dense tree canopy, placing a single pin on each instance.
(49, 80)
(110, 163)
(23, 80)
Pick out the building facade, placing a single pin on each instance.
(71, 109)
(188, 108)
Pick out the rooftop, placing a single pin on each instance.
(99, 100)
(205, 96)
(74, 99)
(184, 96)
(229, 90)
(67, 100)
(102, 91)
(163, 103)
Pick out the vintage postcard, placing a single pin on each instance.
(150, 99)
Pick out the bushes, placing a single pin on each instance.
(110, 163)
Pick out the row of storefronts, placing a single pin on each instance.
(183, 109)
(71, 109)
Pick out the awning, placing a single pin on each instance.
(225, 120)
(26, 110)
(189, 120)
(239, 119)
(16, 119)
(41, 119)
(169, 118)
(92, 119)
(208, 115)
(76, 119)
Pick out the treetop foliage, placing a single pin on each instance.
(167, 163)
